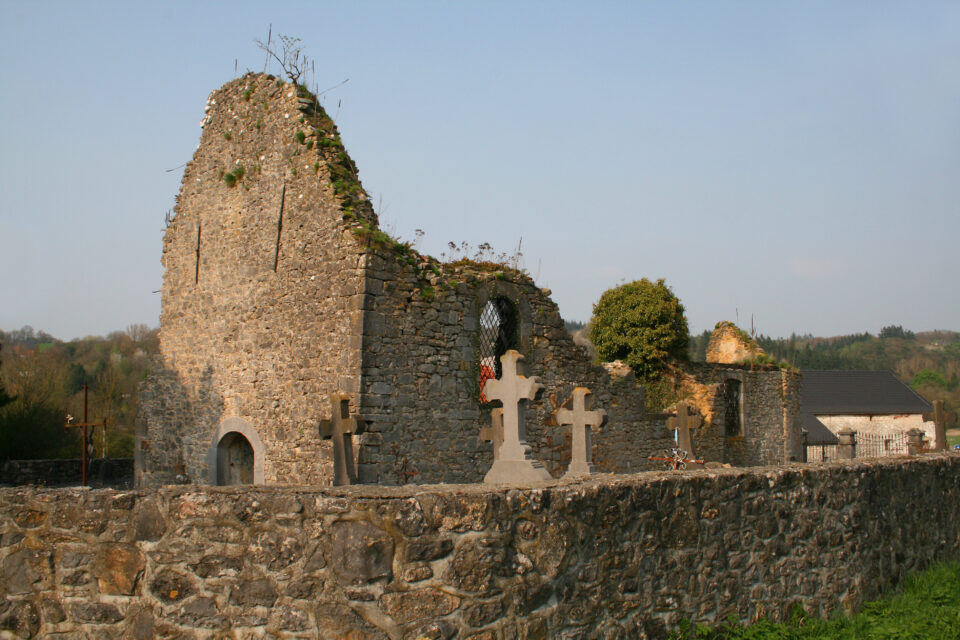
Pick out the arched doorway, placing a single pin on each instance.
(234, 460)
(236, 454)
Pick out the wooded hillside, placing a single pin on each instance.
(42, 380)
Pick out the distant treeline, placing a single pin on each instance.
(41, 383)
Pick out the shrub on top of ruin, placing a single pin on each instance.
(641, 323)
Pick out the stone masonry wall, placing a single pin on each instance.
(623, 557)
(421, 396)
(770, 416)
(262, 293)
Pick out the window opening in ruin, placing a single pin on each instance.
(732, 407)
(498, 333)
(196, 277)
(234, 460)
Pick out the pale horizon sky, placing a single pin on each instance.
(797, 163)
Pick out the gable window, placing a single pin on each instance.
(732, 404)
(498, 333)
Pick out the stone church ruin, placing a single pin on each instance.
(280, 291)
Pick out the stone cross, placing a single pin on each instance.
(581, 457)
(515, 464)
(682, 424)
(494, 433)
(943, 420)
(339, 429)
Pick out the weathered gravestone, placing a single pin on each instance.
(494, 432)
(340, 428)
(682, 424)
(515, 464)
(942, 420)
(580, 419)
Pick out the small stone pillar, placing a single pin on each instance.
(848, 443)
(803, 446)
(914, 441)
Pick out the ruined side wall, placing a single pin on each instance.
(770, 416)
(420, 379)
(624, 558)
(262, 291)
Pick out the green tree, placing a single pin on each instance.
(926, 377)
(641, 323)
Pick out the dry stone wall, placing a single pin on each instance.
(623, 557)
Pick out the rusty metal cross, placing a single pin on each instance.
(86, 450)
(339, 428)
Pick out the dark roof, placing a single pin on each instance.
(858, 393)
(817, 432)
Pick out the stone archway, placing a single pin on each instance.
(236, 454)
(234, 460)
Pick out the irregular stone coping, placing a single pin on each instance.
(774, 474)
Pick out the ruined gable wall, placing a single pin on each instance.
(770, 416)
(269, 322)
(624, 557)
(420, 370)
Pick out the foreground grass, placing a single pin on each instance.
(928, 608)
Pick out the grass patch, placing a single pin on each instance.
(231, 178)
(928, 607)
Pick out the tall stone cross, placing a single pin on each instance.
(682, 424)
(515, 464)
(494, 432)
(943, 421)
(580, 419)
(339, 428)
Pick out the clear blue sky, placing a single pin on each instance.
(794, 162)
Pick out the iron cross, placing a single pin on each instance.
(85, 455)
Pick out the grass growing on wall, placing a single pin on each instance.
(928, 607)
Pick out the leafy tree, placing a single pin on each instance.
(641, 323)
(926, 377)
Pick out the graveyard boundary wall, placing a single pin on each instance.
(109, 472)
(615, 557)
